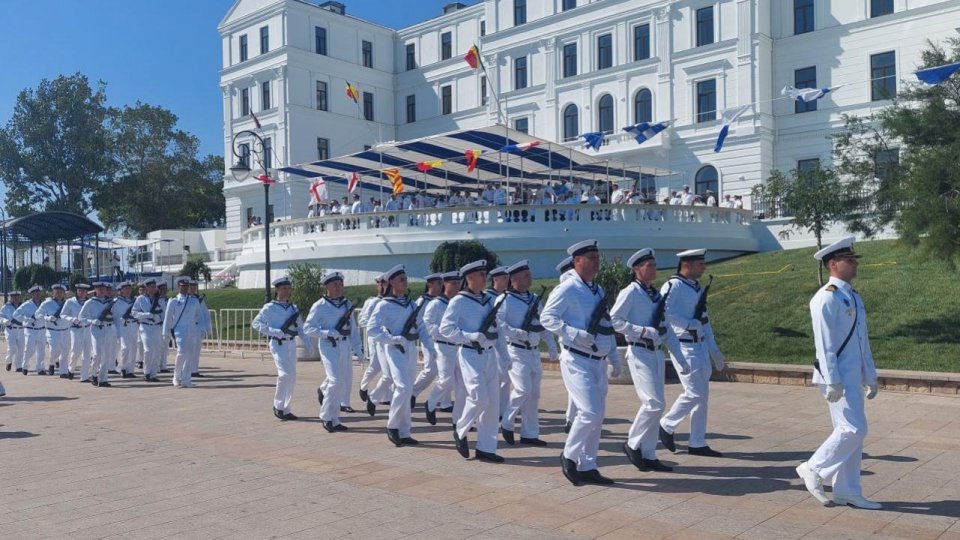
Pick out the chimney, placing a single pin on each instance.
(334, 7)
(453, 6)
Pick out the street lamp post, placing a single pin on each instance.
(240, 171)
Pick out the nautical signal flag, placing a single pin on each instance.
(425, 166)
(393, 175)
(593, 139)
(352, 182)
(472, 157)
(805, 94)
(938, 74)
(319, 190)
(265, 178)
(729, 116)
(519, 148)
(645, 131)
(473, 58)
(353, 93)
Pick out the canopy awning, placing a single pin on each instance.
(544, 162)
(43, 227)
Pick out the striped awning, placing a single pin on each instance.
(542, 163)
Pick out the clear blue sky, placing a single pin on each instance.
(162, 52)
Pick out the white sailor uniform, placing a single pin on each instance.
(427, 348)
(283, 347)
(399, 356)
(127, 330)
(33, 334)
(79, 337)
(98, 314)
(149, 313)
(13, 333)
(380, 392)
(58, 337)
(503, 362)
(449, 378)
(331, 323)
(181, 319)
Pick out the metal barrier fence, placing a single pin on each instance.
(235, 333)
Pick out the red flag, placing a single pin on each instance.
(473, 57)
(265, 178)
(256, 121)
(352, 183)
(319, 190)
(472, 156)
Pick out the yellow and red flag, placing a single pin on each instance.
(472, 156)
(473, 58)
(353, 93)
(425, 166)
(393, 175)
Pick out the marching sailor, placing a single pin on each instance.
(58, 339)
(126, 325)
(686, 312)
(33, 344)
(79, 333)
(141, 290)
(98, 314)
(375, 366)
(331, 322)
(499, 280)
(434, 288)
(565, 270)
(394, 325)
(204, 325)
(845, 372)
(519, 322)
(470, 322)
(638, 314)
(13, 332)
(165, 338)
(181, 321)
(279, 320)
(577, 313)
(149, 315)
(449, 378)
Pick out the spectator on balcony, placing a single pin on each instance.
(711, 198)
(547, 191)
(727, 202)
(686, 198)
(738, 202)
(618, 196)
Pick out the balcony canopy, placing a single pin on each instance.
(45, 227)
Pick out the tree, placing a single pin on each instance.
(54, 151)
(35, 274)
(306, 281)
(450, 256)
(195, 267)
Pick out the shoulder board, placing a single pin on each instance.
(832, 288)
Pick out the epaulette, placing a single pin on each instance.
(832, 288)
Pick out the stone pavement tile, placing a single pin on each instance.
(513, 530)
(646, 529)
(597, 524)
(949, 535)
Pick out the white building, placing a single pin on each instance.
(562, 68)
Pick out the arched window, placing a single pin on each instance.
(605, 114)
(571, 122)
(707, 179)
(643, 106)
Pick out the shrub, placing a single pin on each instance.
(307, 288)
(35, 274)
(450, 256)
(77, 277)
(195, 267)
(613, 276)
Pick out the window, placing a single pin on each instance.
(265, 96)
(245, 102)
(704, 26)
(706, 100)
(245, 154)
(643, 106)
(886, 163)
(446, 45)
(411, 108)
(802, 16)
(320, 37)
(483, 90)
(446, 99)
(483, 28)
(367, 49)
(571, 122)
(641, 42)
(267, 154)
(368, 106)
(569, 4)
(322, 96)
(605, 114)
(570, 60)
(805, 78)
(707, 179)
(519, 12)
(323, 148)
(605, 51)
(249, 215)
(264, 39)
(879, 8)
(806, 168)
(519, 73)
(411, 56)
(522, 125)
(243, 48)
(883, 74)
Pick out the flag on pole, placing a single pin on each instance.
(645, 131)
(256, 121)
(472, 157)
(352, 182)
(353, 93)
(519, 148)
(425, 166)
(938, 74)
(265, 178)
(473, 58)
(593, 139)
(393, 175)
(729, 116)
(319, 190)
(805, 95)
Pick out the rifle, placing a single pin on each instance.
(599, 313)
(106, 315)
(660, 312)
(487, 322)
(285, 327)
(155, 305)
(528, 323)
(127, 316)
(59, 310)
(343, 324)
(701, 308)
(408, 325)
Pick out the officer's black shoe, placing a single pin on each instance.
(703, 451)
(58, 366)
(42, 372)
(570, 471)
(278, 413)
(63, 375)
(371, 407)
(94, 380)
(129, 376)
(594, 477)
(413, 402)
(70, 375)
(431, 415)
(340, 427)
(290, 416)
(462, 446)
(104, 384)
(153, 379)
(567, 426)
(84, 380)
(489, 457)
(328, 425)
(139, 365)
(394, 436)
(198, 374)
(165, 370)
(363, 395)
(320, 395)
(25, 371)
(409, 441)
(667, 440)
(634, 457)
(446, 409)
(113, 372)
(656, 465)
(508, 436)
(9, 366)
(346, 409)
(533, 441)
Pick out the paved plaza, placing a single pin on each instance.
(146, 460)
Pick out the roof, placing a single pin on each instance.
(544, 162)
(49, 227)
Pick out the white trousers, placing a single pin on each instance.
(153, 348)
(59, 343)
(80, 352)
(33, 346)
(696, 392)
(14, 338)
(285, 358)
(402, 367)
(334, 357)
(104, 344)
(384, 388)
(429, 372)
(647, 370)
(504, 362)
(481, 381)
(449, 380)
(127, 334)
(373, 368)
(837, 461)
(586, 382)
(526, 372)
(188, 349)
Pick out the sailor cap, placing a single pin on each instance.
(475, 266)
(692, 255)
(149, 281)
(14, 293)
(582, 248)
(840, 247)
(451, 276)
(108, 284)
(332, 276)
(394, 272)
(186, 279)
(99, 283)
(124, 284)
(498, 271)
(35, 288)
(380, 279)
(162, 284)
(281, 281)
(193, 282)
(518, 267)
(433, 277)
(56, 286)
(644, 254)
(565, 264)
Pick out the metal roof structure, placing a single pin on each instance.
(44, 227)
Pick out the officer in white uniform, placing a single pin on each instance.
(13, 332)
(331, 323)
(127, 330)
(467, 322)
(181, 320)
(844, 371)
(449, 378)
(639, 315)
(577, 313)
(394, 325)
(79, 333)
(279, 320)
(97, 313)
(204, 325)
(375, 365)
(687, 318)
(58, 338)
(33, 332)
(499, 280)
(141, 290)
(149, 315)
(434, 287)
(519, 322)
(565, 270)
(165, 338)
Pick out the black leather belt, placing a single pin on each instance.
(688, 340)
(584, 354)
(481, 351)
(646, 344)
(150, 323)
(58, 329)
(450, 343)
(520, 346)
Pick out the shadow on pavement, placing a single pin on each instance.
(39, 398)
(895, 459)
(949, 509)
(16, 435)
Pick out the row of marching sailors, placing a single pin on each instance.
(95, 337)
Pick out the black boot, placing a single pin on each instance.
(431, 415)
(489, 457)
(667, 440)
(462, 446)
(569, 469)
(508, 436)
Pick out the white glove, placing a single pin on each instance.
(834, 393)
(872, 390)
(523, 335)
(615, 370)
(584, 340)
(276, 333)
(683, 366)
(718, 360)
(476, 336)
(398, 340)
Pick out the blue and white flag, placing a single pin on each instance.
(645, 131)
(805, 94)
(593, 139)
(937, 75)
(729, 116)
